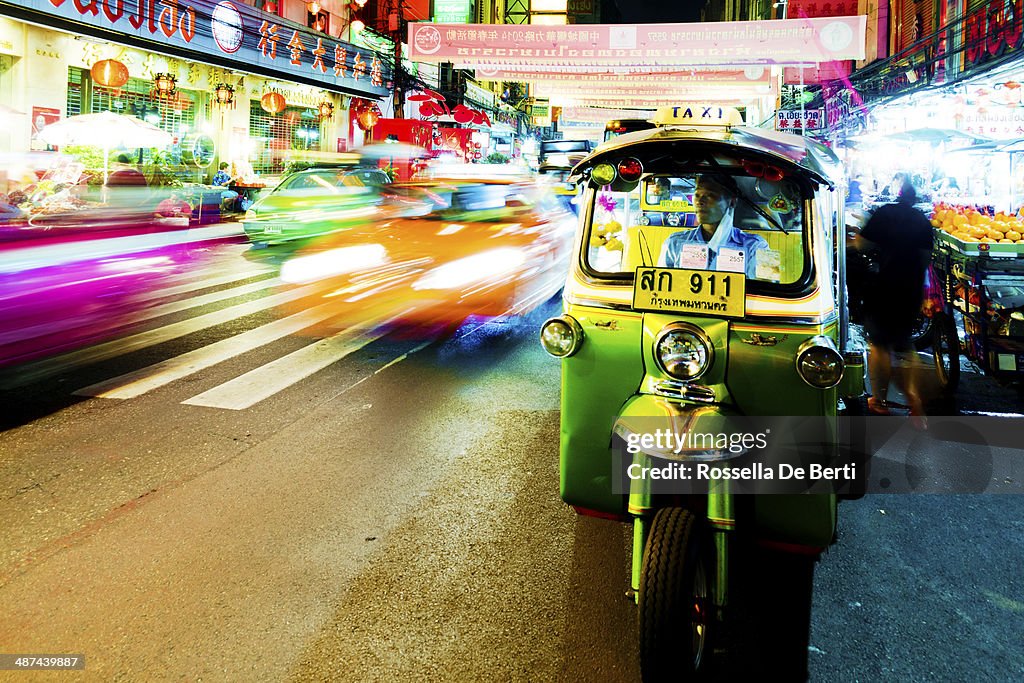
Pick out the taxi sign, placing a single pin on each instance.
(698, 292)
(697, 114)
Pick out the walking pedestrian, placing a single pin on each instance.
(901, 237)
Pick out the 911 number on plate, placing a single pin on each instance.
(696, 292)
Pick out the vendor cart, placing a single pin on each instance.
(983, 285)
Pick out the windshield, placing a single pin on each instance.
(549, 147)
(470, 202)
(332, 180)
(701, 221)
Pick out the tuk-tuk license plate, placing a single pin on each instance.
(697, 292)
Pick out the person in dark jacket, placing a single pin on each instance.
(901, 237)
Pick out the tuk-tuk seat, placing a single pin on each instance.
(643, 245)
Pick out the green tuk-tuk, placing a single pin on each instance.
(667, 333)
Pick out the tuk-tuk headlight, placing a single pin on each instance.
(819, 363)
(683, 351)
(603, 174)
(561, 337)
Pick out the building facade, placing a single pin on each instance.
(229, 81)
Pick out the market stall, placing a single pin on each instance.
(979, 260)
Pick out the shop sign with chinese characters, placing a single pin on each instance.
(808, 119)
(999, 123)
(230, 34)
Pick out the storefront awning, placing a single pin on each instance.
(226, 34)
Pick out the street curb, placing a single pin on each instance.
(228, 231)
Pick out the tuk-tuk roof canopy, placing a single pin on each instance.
(809, 155)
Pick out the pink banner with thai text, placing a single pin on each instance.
(602, 115)
(750, 75)
(640, 94)
(785, 41)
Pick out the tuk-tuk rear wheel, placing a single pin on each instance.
(675, 606)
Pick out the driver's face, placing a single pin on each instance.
(711, 203)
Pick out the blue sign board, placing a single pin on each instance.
(228, 34)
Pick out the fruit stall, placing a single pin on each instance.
(979, 259)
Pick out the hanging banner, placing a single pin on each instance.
(228, 34)
(623, 102)
(676, 93)
(751, 73)
(757, 75)
(814, 8)
(602, 115)
(786, 41)
(478, 95)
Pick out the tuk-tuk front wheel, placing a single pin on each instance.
(675, 606)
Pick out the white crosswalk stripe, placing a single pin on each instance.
(193, 285)
(142, 340)
(245, 390)
(152, 313)
(267, 380)
(136, 383)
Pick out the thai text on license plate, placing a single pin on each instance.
(698, 292)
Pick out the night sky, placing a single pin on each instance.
(650, 11)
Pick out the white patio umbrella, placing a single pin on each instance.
(106, 130)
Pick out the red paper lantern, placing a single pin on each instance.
(109, 73)
(367, 117)
(164, 85)
(273, 103)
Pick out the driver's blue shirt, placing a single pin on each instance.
(736, 239)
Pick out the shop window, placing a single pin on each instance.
(176, 115)
(75, 86)
(319, 21)
(271, 6)
(275, 136)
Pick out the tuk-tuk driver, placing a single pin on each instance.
(715, 240)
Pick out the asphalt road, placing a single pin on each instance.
(394, 516)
